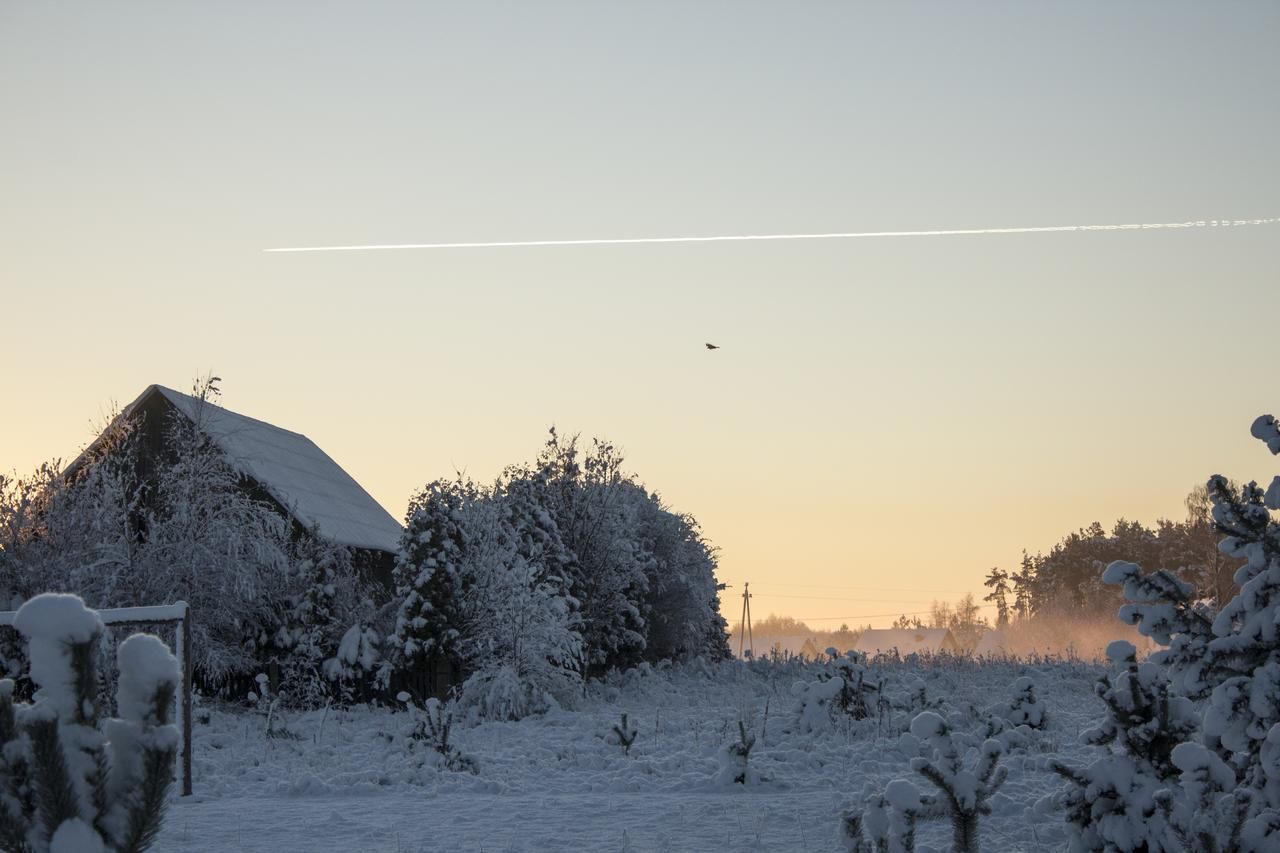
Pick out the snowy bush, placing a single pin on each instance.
(735, 760)
(432, 725)
(270, 704)
(68, 783)
(815, 702)
(1023, 708)
(887, 822)
(852, 697)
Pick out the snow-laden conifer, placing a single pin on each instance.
(964, 788)
(431, 579)
(1176, 770)
(72, 782)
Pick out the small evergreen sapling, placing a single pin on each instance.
(964, 793)
(624, 734)
(270, 704)
(852, 697)
(69, 782)
(1024, 709)
(887, 824)
(735, 767)
(432, 725)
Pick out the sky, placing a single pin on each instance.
(885, 420)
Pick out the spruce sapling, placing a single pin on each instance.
(433, 723)
(964, 793)
(624, 734)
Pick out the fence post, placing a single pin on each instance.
(186, 700)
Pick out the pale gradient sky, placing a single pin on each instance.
(886, 419)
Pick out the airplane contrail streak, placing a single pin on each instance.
(727, 238)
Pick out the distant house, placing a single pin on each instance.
(992, 643)
(284, 468)
(906, 641)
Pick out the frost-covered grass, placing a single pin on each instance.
(354, 780)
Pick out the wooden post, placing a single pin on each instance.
(186, 701)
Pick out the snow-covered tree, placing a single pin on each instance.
(596, 508)
(1227, 775)
(681, 604)
(1122, 801)
(519, 639)
(431, 580)
(69, 782)
(326, 645)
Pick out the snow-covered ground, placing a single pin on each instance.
(346, 780)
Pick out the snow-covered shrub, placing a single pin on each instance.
(70, 783)
(432, 725)
(1023, 708)
(886, 823)
(852, 698)
(815, 702)
(357, 658)
(498, 694)
(624, 734)
(735, 760)
(270, 704)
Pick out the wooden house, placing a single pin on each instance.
(284, 468)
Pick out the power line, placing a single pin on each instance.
(874, 615)
(933, 592)
(829, 598)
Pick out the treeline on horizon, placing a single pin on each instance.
(1052, 602)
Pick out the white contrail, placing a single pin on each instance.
(1203, 223)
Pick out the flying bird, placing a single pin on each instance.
(712, 346)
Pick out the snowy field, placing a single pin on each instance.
(350, 781)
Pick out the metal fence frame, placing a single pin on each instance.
(178, 615)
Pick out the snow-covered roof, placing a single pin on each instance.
(294, 471)
(906, 641)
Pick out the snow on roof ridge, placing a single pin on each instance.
(170, 392)
(331, 499)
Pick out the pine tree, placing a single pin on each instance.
(1024, 585)
(65, 776)
(430, 577)
(998, 582)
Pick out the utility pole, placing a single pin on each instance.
(744, 627)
